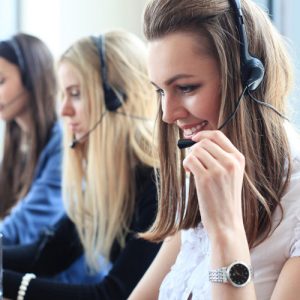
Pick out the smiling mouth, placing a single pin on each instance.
(188, 133)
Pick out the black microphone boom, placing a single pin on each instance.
(76, 141)
(73, 144)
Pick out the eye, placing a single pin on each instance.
(187, 88)
(75, 93)
(2, 80)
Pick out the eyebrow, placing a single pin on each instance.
(174, 78)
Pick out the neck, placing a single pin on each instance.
(24, 120)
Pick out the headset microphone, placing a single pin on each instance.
(252, 69)
(76, 141)
(113, 98)
(73, 144)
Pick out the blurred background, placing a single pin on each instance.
(60, 22)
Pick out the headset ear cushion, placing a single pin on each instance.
(253, 73)
(113, 99)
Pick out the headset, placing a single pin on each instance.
(113, 98)
(252, 69)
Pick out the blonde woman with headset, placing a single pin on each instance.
(108, 173)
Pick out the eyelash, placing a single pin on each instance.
(75, 95)
(186, 89)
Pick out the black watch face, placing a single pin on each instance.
(239, 274)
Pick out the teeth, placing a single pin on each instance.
(191, 131)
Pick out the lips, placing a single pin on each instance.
(189, 131)
(73, 127)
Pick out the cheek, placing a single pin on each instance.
(6, 93)
(21, 104)
(207, 107)
(83, 118)
(15, 110)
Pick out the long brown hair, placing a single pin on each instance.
(256, 131)
(17, 168)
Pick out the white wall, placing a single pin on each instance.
(286, 19)
(8, 18)
(61, 22)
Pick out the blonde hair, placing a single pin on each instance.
(106, 163)
(255, 130)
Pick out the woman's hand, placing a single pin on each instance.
(218, 169)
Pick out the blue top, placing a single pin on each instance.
(43, 205)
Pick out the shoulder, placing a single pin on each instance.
(293, 136)
(54, 144)
(145, 199)
(293, 190)
(290, 200)
(145, 185)
(287, 226)
(51, 156)
(55, 135)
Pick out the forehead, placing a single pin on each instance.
(7, 67)
(67, 74)
(179, 52)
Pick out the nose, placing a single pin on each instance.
(172, 109)
(66, 108)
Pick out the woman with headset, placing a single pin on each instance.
(108, 176)
(234, 231)
(30, 169)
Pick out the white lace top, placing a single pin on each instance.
(188, 278)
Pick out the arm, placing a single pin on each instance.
(128, 266)
(148, 287)
(218, 169)
(118, 284)
(42, 206)
(55, 251)
(287, 286)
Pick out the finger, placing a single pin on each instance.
(192, 164)
(213, 149)
(205, 156)
(218, 137)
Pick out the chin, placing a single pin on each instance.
(6, 118)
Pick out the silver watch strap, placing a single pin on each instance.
(218, 275)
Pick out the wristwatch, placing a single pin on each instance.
(237, 274)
